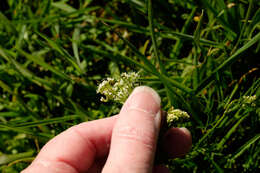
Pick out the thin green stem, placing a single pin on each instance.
(151, 28)
(184, 29)
(244, 26)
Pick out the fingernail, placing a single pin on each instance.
(185, 130)
(147, 100)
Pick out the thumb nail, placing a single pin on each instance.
(147, 100)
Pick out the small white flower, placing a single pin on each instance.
(175, 115)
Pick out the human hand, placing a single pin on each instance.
(122, 143)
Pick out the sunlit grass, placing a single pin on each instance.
(201, 57)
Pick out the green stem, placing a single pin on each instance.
(244, 26)
(213, 128)
(184, 29)
(151, 28)
(230, 132)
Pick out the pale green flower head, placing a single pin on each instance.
(176, 115)
(118, 89)
(249, 101)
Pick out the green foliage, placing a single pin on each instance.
(201, 57)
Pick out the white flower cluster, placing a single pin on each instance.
(249, 101)
(118, 89)
(175, 115)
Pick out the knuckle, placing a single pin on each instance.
(137, 135)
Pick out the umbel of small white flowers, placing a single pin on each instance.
(118, 89)
(176, 115)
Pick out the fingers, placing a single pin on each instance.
(133, 141)
(176, 142)
(135, 133)
(171, 146)
(75, 149)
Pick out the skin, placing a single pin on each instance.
(123, 143)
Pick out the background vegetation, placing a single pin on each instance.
(201, 56)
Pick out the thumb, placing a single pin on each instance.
(135, 133)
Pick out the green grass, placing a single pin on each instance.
(201, 57)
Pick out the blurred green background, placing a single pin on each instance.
(201, 56)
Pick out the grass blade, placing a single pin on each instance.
(166, 34)
(8, 24)
(138, 54)
(184, 29)
(48, 121)
(243, 148)
(151, 28)
(75, 42)
(185, 37)
(244, 26)
(63, 6)
(227, 63)
(253, 24)
(21, 130)
(62, 51)
(196, 74)
(153, 70)
(7, 158)
(117, 57)
(231, 131)
(26, 73)
(219, 18)
(41, 62)
(5, 87)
